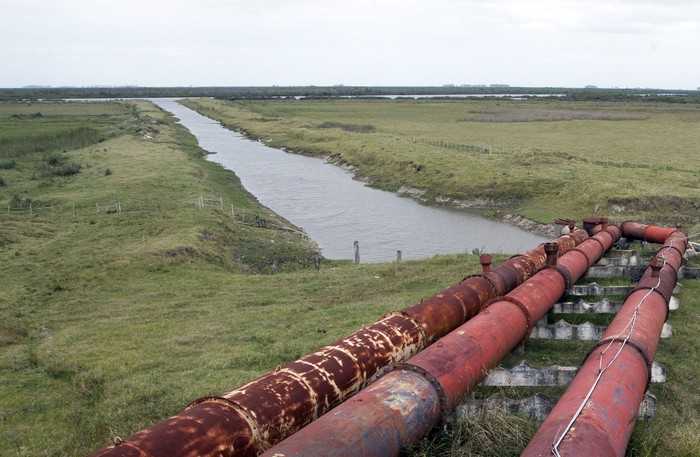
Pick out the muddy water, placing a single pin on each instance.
(335, 210)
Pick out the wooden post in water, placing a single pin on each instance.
(357, 252)
(398, 256)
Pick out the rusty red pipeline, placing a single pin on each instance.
(596, 415)
(406, 403)
(251, 418)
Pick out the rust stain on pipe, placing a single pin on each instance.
(597, 413)
(450, 369)
(265, 411)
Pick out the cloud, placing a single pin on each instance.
(318, 41)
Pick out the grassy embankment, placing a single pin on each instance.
(549, 158)
(113, 321)
(116, 320)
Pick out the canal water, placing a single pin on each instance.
(335, 210)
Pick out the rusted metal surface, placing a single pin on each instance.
(280, 403)
(288, 399)
(590, 223)
(376, 421)
(440, 314)
(644, 232)
(552, 252)
(597, 413)
(486, 260)
(450, 368)
(210, 428)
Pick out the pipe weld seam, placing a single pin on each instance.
(566, 275)
(673, 246)
(236, 407)
(493, 285)
(443, 403)
(602, 246)
(609, 231)
(655, 289)
(624, 342)
(519, 304)
(581, 251)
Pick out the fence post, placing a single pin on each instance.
(31, 213)
(221, 202)
(317, 261)
(398, 256)
(357, 252)
(233, 216)
(97, 205)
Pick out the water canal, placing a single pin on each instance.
(335, 210)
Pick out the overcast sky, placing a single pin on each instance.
(607, 43)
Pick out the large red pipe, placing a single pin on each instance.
(251, 418)
(596, 415)
(405, 404)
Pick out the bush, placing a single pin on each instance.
(8, 165)
(53, 159)
(364, 128)
(2, 182)
(67, 169)
(108, 172)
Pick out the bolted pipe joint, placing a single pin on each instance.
(486, 260)
(552, 251)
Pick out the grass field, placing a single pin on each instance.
(115, 320)
(542, 158)
(111, 321)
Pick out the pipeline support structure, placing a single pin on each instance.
(406, 403)
(597, 413)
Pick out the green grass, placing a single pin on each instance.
(112, 321)
(115, 320)
(543, 159)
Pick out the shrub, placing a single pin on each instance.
(364, 128)
(53, 159)
(108, 172)
(67, 169)
(8, 165)
(16, 201)
(2, 182)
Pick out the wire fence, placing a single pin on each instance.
(77, 211)
(487, 149)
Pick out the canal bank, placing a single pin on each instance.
(336, 210)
